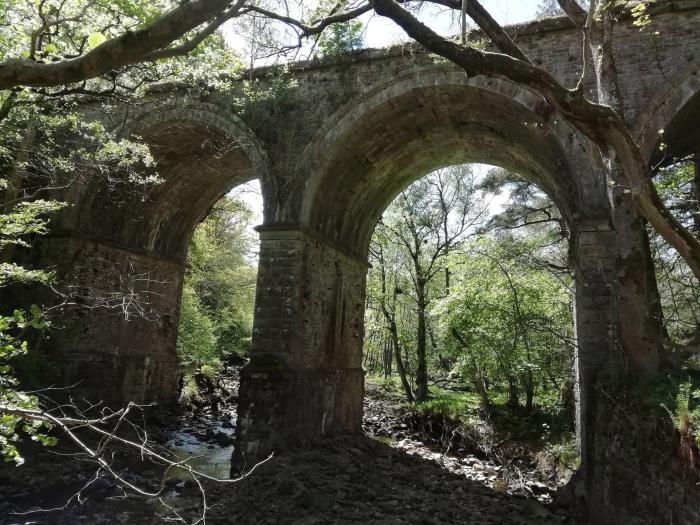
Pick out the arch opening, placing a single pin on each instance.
(469, 312)
(198, 164)
(215, 326)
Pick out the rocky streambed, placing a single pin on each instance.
(503, 466)
(395, 473)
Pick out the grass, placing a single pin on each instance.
(455, 405)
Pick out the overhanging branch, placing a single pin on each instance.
(129, 48)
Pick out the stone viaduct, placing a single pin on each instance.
(332, 143)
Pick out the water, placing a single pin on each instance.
(206, 457)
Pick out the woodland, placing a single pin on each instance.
(469, 342)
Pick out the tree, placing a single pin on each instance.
(678, 287)
(73, 42)
(424, 224)
(343, 38)
(548, 8)
(384, 292)
(218, 290)
(17, 225)
(508, 321)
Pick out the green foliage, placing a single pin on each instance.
(279, 89)
(640, 14)
(26, 219)
(11, 397)
(457, 406)
(218, 293)
(513, 319)
(680, 397)
(678, 287)
(54, 30)
(342, 38)
(686, 415)
(499, 306)
(196, 340)
(20, 223)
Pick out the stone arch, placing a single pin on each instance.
(203, 151)
(674, 109)
(310, 344)
(123, 244)
(432, 117)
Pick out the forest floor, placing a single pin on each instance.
(398, 472)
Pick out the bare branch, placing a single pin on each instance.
(488, 25)
(188, 46)
(587, 54)
(319, 25)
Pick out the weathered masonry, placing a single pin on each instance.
(332, 144)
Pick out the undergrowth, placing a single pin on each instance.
(679, 396)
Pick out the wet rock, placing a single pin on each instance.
(224, 440)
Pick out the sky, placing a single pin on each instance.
(381, 32)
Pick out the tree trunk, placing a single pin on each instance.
(400, 368)
(388, 359)
(444, 363)
(422, 367)
(529, 391)
(640, 320)
(695, 205)
(513, 391)
(478, 380)
(529, 381)
(480, 386)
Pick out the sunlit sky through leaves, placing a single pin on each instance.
(381, 32)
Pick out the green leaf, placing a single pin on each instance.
(95, 39)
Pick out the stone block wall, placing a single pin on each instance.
(116, 321)
(304, 380)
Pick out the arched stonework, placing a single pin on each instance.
(678, 100)
(122, 253)
(433, 117)
(309, 321)
(202, 152)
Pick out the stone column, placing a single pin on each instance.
(628, 470)
(114, 338)
(305, 378)
(593, 260)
